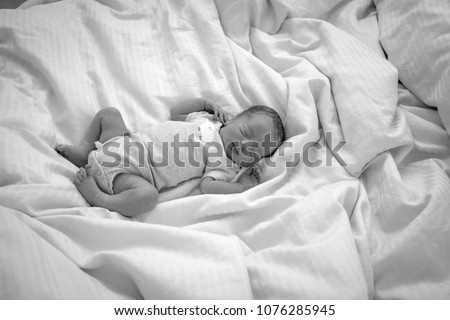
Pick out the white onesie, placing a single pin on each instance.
(166, 154)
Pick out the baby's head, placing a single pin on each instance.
(254, 134)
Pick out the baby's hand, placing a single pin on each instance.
(213, 108)
(252, 177)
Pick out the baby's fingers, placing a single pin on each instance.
(258, 174)
(218, 114)
(223, 118)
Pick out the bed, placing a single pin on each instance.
(356, 206)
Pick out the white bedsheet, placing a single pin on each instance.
(373, 223)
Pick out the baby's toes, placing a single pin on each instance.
(59, 148)
(76, 179)
(89, 171)
(62, 149)
(83, 173)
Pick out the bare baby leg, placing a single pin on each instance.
(133, 194)
(107, 123)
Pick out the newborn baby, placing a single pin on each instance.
(124, 171)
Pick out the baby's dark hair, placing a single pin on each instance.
(272, 114)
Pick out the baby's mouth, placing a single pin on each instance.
(231, 148)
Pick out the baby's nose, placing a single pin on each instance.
(245, 143)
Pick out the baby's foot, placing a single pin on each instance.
(85, 183)
(78, 155)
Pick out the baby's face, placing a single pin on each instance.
(247, 139)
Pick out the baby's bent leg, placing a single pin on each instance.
(111, 126)
(133, 194)
(107, 123)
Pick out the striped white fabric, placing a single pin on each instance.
(416, 37)
(369, 221)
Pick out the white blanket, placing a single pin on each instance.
(366, 220)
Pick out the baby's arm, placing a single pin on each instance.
(181, 111)
(210, 185)
(249, 179)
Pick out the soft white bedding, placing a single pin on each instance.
(373, 223)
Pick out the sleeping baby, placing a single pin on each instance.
(124, 171)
